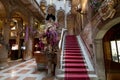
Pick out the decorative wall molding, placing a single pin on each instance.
(107, 10)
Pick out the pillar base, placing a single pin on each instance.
(27, 58)
(3, 63)
(3, 66)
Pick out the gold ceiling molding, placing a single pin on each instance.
(34, 7)
(107, 10)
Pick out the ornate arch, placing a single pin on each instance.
(98, 44)
(106, 27)
(21, 13)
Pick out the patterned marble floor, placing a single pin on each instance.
(24, 71)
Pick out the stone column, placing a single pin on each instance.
(5, 46)
(29, 43)
(19, 33)
(100, 69)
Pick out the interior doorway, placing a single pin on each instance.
(111, 46)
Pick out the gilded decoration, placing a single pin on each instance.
(107, 10)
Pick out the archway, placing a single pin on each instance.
(100, 58)
(18, 24)
(111, 52)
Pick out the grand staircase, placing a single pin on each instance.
(74, 64)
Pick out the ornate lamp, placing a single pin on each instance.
(79, 9)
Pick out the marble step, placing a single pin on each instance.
(91, 76)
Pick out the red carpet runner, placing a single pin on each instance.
(75, 68)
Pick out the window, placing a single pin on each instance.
(115, 49)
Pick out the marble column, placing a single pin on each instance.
(28, 52)
(5, 46)
(19, 33)
(29, 43)
(100, 69)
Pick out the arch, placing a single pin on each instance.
(106, 27)
(98, 45)
(21, 13)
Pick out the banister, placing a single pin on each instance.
(61, 37)
(85, 51)
(61, 46)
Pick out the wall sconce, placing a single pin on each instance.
(79, 9)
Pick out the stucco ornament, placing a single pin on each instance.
(107, 10)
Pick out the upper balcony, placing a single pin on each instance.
(34, 7)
